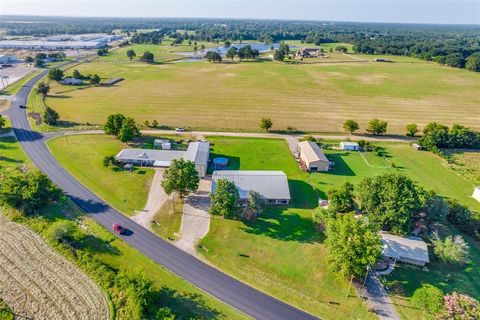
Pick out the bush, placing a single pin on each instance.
(451, 250)
(428, 298)
(62, 231)
(109, 161)
(464, 219)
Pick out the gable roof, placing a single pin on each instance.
(270, 184)
(198, 152)
(149, 154)
(413, 248)
(312, 151)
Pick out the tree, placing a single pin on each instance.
(95, 79)
(231, 53)
(412, 129)
(428, 298)
(278, 55)
(437, 208)
(353, 245)
(131, 54)
(341, 49)
(266, 124)
(473, 62)
(146, 123)
(350, 126)
(39, 63)
(50, 116)
(129, 130)
(341, 198)
(55, 74)
(391, 201)
(458, 306)
(434, 126)
(155, 123)
(29, 59)
(76, 74)
(62, 231)
(451, 250)
(227, 44)
(27, 190)
(109, 161)
(114, 124)
(213, 56)
(182, 178)
(147, 57)
(377, 127)
(3, 122)
(102, 52)
(224, 198)
(43, 89)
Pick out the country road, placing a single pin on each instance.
(227, 289)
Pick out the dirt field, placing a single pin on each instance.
(37, 283)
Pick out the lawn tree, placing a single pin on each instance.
(76, 74)
(266, 124)
(55, 74)
(227, 44)
(341, 49)
(95, 79)
(50, 116)
(147, 57)
(224, 198)
(114, 124)
(391, 201)
(26, 189)
(43, 89)
(452, 250)
(231, 53)
(341, 198)
(458, 306)
(278, 55)
(129, 130)
(353, 244)
(412, 129)
(39, 63)
(155, 123)
(473, 62)
(102, 52)
(131, 54)
(3, 122)
(146, 123)
(213, 56)
(350, 126)
(256, 205)
(428, 298)
(181, 177)
(377, 127)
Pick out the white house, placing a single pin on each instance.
(349, 146)
(476, 194)
(412, 250)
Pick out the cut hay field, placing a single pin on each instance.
(314, 97)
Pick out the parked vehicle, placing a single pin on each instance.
(118, 229)
(180, 129)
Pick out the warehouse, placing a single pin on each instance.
(50, 45)
(312, 157)
(272, 185)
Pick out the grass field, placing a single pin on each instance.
(167, 221)
(466, 163)
(315, 97)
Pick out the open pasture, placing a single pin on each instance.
(314, 97)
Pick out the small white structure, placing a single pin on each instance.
(312, 157)
(72, 81)
(412, 250)
(272, 185)
(349, 146)
(162, 144)
(476, 194)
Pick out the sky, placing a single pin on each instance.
(402, 11)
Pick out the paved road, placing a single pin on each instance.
(218, 284)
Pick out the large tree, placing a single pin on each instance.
(213, 56)
(95, 79)
(43, 89)
(131, 54)
(391, 201)
(350, 126)
(377, 127)
(147, 57)
(231, 53)
(224, 198)
(50, 116)
(182, 178)
(278, 55)
(412, 129)
(353, 244)
(341, 198)
(114, 124)
(55, 74)
(266, 124)
(473, 62)
(129, 130)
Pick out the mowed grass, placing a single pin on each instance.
(82, 156)
(314, 97)
(166, 222)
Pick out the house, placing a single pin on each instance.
(412, 250)
(197, 152)
(71, 81)
(349, 146)
(476, 194)
(309, 52)
(272, 185)
(312, 157)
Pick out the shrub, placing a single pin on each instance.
(451, 250)
(62, 231)
(428, 298)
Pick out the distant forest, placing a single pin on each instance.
(453, 45)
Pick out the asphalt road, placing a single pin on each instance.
(227, 289)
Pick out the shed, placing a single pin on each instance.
(163, 144)
(312, 157)
(272, 185)
(476, 194)
(71, 81)
(349, 146)
(412, 250)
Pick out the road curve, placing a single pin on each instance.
(227, 289)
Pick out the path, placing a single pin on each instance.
(195, 218)
(156, 198)
(378, 298)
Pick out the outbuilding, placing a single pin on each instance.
(349, 146)
(476, 194)
(272, 185)
(412, 250)
(71, 81)
(312, 158)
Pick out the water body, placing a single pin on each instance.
(262, 47)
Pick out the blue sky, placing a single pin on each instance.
(407, 11)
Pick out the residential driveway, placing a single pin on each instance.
(156, 198)
(377, 298)
(195, 218)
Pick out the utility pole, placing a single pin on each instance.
(349, 286)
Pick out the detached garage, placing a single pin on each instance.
(312, 157)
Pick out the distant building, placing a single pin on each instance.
(309, 53)
(382, 60)
(71, 81)
(349, 146)
(162, 144)
(272, 185)
(476, 194)
(6, 59)
(50, 45)
(312, 157)
(412, 250)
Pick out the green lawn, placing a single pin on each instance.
(167, 220)
(314, 97)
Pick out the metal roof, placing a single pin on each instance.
(270, 184)
(312, 151)
(349, 143)
(149, 154)
(413, 248)
(198, 152)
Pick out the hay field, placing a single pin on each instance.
(314, 97)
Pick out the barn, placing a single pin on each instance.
(312, 158)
